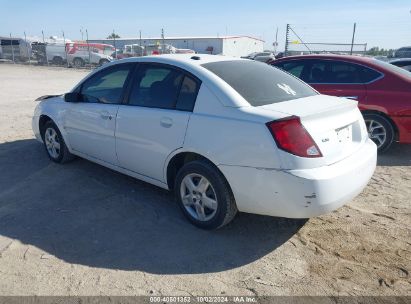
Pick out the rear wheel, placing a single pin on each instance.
(78, 62)
(380, 131)
(54, 143)
(204, 195)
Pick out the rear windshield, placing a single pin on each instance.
(259, 83)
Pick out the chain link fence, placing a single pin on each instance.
(83, 53)
(313, 39)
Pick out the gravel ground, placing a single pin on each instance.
(81, 229)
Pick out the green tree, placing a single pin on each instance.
(376, 51)
(113, 36)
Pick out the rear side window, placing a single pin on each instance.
(188, 94)
(368, 75)
(343, 72)
(156, 87)
(159, 86)
(259, 83)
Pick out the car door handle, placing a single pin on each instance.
(105, 115)
(166, 122)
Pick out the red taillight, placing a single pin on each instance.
(291, 136)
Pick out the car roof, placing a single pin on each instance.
(399, 60)
(182, 59)
(353, 58)
(189, 62)
(367, 61)
(193, 64)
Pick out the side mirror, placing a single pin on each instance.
(72, 97)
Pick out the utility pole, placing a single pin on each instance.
(45, 48)
(287, 40)
(353, 37)
(162, 38)
(88, 48)
(141, 47)
(65, 48)
(275, 44)
(28, 49)
(114, 42)
(12, 48)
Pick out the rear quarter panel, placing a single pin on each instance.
(230, 136)
(391, 96)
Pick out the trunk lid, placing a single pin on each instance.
(335, 124)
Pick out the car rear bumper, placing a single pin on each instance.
(301, 193)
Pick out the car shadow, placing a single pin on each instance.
(397, 155)
(86, 214)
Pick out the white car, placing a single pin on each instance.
(226, 134)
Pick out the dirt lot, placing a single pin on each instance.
(81, 229)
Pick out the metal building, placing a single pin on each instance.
(224, 45)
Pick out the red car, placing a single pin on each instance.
(383, 90)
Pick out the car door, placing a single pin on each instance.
(336, 78)
(90, 123)
(154, 121)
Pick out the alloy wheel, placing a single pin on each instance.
(376, 132)
(52, 142)
(199, 197)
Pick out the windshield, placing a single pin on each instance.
(108, 50)
(393, 68)
(259, 83)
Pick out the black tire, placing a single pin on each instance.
(103, 61)
(57, 60)
(64, 154)
(226, 206)
(385, 126)
(78, 62)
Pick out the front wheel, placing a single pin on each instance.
(54, 143)
(57, 60)
(204, 195)
(380, 131)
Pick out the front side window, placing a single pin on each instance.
(293, 67)
(259, 83)
(317, 73)
(107, 85)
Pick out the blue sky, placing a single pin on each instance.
(379, 23)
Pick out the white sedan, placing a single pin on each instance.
(225, 134)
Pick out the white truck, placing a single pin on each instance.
(80, 54)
